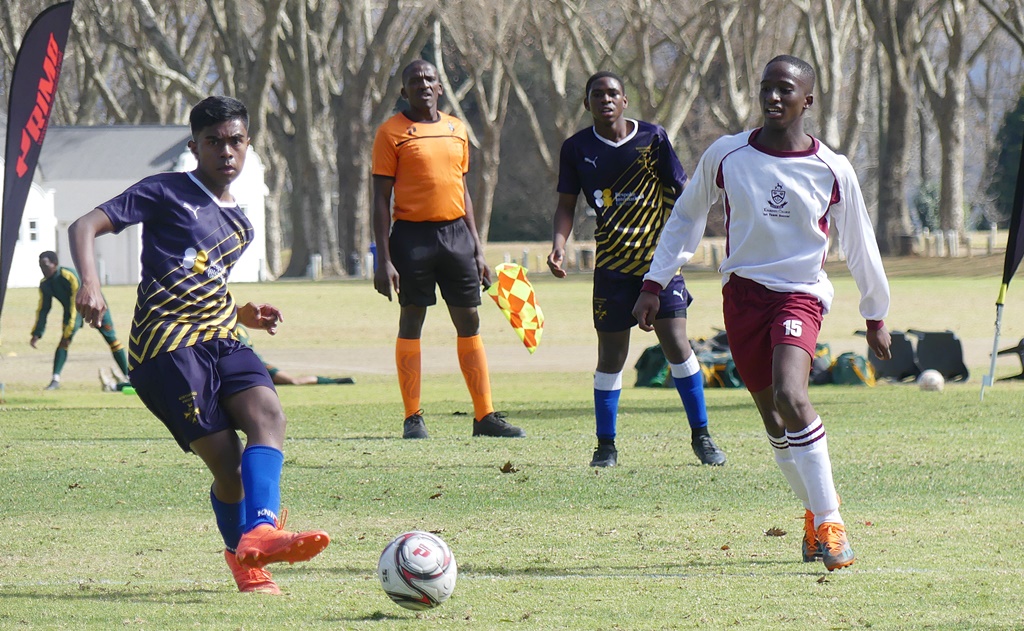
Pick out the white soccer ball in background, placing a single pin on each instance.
(931, 381)
(417, 570)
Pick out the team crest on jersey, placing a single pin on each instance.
(778, 197)
(646, 159)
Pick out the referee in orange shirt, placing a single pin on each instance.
(421, 156)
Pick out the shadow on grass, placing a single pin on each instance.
(115, 593)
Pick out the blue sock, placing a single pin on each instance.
(230, 520)
(689, 383)
(607, 388)
(261, 479)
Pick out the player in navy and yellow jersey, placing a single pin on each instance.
(61, 284)
(420, 160)
(630, 175)
(187, 365)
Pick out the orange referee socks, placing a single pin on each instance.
(407, 359)
(473, 362)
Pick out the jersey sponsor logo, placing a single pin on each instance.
(777, 202)
(192, 209)
(591, 161)
(199, 262)
(606, 198)
(451, 127)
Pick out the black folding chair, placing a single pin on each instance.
(903, 365)
(1017, 350)
(941, 351)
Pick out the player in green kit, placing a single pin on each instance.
(60, 284)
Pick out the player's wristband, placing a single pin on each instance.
(875, 325)
(651, 287)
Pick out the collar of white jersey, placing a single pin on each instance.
(217, 201)
(629, 136)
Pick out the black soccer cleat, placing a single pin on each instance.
(605, 456)
(494, 424)
(414, 427)
(707, 451)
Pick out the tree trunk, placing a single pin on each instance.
(894, 23)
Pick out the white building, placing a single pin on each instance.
(38, 233)
(82, 167)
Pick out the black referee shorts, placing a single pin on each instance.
(441, 253)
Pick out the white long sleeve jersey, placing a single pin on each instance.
(778, 207)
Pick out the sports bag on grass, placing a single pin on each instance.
(852, 369)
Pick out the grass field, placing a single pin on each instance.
(106, 524)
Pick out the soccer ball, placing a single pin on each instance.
(417, 570)
(931, 381)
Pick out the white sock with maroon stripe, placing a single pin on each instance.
(784, 458)
(809, 447)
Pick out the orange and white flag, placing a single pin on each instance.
(514, 295)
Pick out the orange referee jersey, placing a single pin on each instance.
(428, 162)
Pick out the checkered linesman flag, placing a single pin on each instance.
(514, 295)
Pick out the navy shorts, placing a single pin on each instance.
(615, 295)
(435, 253)
(184, 387)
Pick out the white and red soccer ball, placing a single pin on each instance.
(417, 570)
(931, 381)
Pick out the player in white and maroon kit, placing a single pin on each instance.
(781, 188)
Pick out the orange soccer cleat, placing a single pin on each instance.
(266, 544)
(810, 548)
(254, 579)
(835, 548)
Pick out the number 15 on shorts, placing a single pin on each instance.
(794, 328)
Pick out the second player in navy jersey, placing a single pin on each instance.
(631, 184)
(629, 174)
(187, 366)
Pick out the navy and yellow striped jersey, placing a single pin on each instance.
(62, 286)
(190, 242)
(631, 185)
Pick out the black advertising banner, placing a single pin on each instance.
(32, 93)
(1015, 242)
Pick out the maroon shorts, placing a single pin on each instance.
(758, 319)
